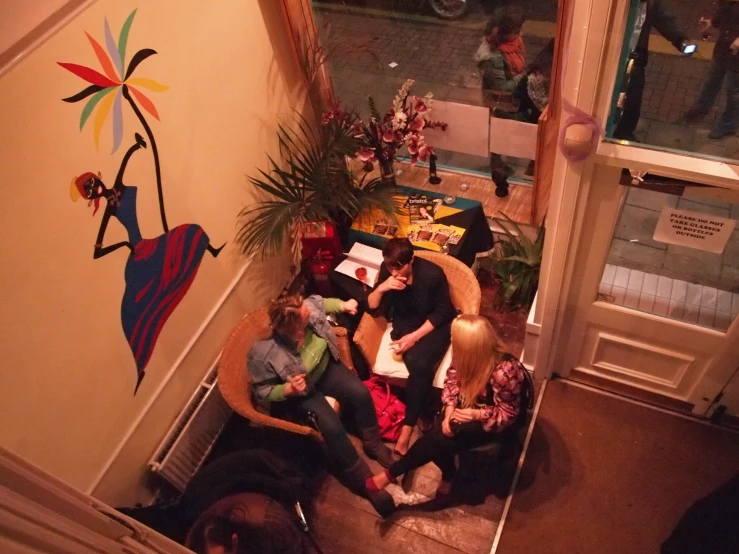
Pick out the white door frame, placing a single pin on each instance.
(40, 513)
(593, 56)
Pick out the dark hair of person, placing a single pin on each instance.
(544, 60)
(397, 252)
(218, 531)
(284, 313)
(508, 20)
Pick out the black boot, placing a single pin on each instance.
(374, 447)
(501, 184)
(356, 476)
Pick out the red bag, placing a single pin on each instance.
(388, 407)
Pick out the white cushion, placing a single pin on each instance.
(387, 366)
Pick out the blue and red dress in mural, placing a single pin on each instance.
(160, 270)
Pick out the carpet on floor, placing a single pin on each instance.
(605, 475)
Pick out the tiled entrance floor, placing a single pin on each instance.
(673, 298)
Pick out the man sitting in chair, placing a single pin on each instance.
(414, 294)
(299, 364)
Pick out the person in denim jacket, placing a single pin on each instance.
(298, 366)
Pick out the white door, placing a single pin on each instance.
(40, 514)
(645, 318)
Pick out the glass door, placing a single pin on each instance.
(655, 296)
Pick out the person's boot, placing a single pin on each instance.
(356, 477)
(501, 184)
(374, 447)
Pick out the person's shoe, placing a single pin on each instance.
(371, 486)
(374, 447)
(717, 134)
(358, 476)
(691, 116)
(444, 490)
(631, 137)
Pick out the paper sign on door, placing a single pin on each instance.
(693, 229)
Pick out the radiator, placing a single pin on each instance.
(189, 441)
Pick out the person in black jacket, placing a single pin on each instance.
(725, 65)
(652, 13)
(414, 294)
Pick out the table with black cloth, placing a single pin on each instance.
(476, 238)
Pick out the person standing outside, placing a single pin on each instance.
(652, 14)
(501, 59)
(724, 66)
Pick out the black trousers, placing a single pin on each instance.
(632, 103)
(341, 383)
(421, 360)
(436, 447)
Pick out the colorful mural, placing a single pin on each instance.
(159, 270)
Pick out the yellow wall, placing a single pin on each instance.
(67, 372)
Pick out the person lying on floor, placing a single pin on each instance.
(482, 400)
(298, 366)
(414, 294)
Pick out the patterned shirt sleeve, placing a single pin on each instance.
(506, 382)
(450, 394)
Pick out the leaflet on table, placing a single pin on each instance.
(362, 256)
(422, 208)
(434, 235)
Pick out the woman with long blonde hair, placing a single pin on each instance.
(481, 397)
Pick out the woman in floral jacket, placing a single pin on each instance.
(482, 399)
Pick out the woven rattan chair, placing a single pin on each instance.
(464, 290)
(234, 380)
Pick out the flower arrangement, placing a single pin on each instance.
(381, 137)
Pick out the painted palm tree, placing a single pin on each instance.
(108, 89)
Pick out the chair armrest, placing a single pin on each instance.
(345, 353)
(245, 408)
(368, 337)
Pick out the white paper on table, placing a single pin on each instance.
(364, 256)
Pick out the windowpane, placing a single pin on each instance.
(374, 46)
(678, 81)
(682, 282)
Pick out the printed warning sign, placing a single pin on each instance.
(693, 229)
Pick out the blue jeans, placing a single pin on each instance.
(718, 72)
(341, 383)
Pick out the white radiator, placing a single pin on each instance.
(191, 438)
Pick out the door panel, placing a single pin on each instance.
(627, 337)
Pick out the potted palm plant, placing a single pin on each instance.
(516, 266)
(312, 183)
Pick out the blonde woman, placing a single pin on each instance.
(481, 397)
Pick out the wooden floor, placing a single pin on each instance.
(517, 205)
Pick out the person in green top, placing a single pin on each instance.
(298, 366)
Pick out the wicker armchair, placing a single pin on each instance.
(464, 290)
(234, 381)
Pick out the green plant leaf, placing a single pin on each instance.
(311, 183)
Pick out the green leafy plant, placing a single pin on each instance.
(517, 264)
(312, 183)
